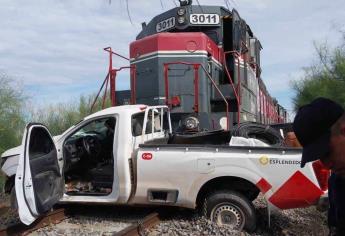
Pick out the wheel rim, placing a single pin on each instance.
(227, 214)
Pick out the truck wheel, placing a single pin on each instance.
(13, 199)
(229, 208)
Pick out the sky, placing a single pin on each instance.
(54, 48)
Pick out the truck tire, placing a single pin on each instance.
(13, 199)
(229, 208)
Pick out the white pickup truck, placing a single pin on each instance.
(125, 155)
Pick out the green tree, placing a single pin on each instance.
(12, 122)
(324, 78)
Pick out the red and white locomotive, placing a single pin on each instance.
(202, 61)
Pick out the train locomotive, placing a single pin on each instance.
(204, 63)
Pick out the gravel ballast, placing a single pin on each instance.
(107, 220)
(295, 222)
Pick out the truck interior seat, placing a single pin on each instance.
(102, 176)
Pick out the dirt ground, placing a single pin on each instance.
(7, 216)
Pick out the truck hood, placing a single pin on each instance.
(11, 152)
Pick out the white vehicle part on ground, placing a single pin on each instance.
(276, 172)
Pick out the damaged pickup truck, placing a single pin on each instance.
(128, 155)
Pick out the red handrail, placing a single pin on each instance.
(111, 79)
(108, 49)
(237, 90)
(221, 94)
(133, 83)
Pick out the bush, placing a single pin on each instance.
(12, 121)
(325, 78)
(59, 117)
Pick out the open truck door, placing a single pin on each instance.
(39, 181)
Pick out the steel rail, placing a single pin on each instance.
(137, 229)
(53, 217)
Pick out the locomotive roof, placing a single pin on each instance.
(150, 28)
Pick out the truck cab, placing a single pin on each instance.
(90, 162)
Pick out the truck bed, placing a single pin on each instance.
(183, 169)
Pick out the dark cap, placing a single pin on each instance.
(312, 126)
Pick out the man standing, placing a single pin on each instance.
(320, 128)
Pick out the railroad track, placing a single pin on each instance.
(138, 228)
(53, 217)
(61, 214)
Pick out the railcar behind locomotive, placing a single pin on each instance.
(204, 62)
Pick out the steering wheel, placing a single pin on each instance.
(92, 145)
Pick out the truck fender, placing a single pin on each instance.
(226, 172)
(10, 165)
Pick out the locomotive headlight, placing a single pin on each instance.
(191, 123)
(181, 11)
(181, 19)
